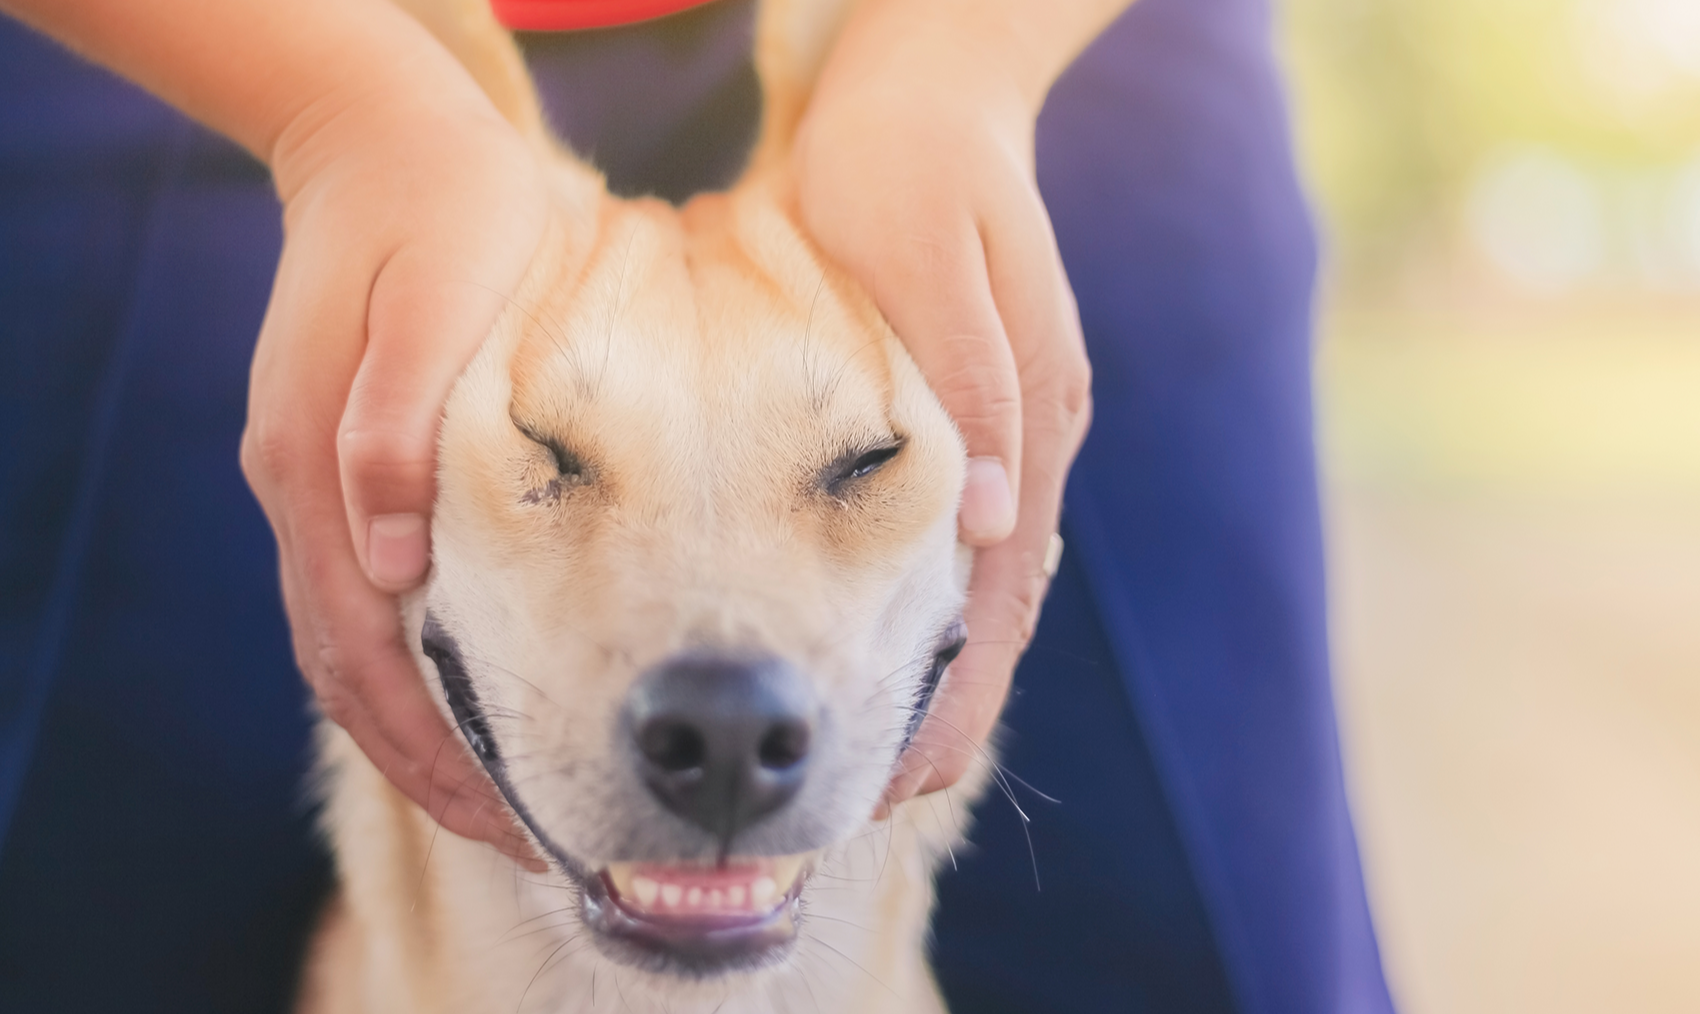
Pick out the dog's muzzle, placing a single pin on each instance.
(721, 744)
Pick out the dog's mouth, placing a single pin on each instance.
(698, 917)
(683, 917)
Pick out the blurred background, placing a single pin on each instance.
(1509, 389)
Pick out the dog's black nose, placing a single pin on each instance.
(722, 742)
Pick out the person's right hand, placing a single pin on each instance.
(409, 218)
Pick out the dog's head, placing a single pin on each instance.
(696, 567)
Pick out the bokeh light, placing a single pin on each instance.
(1509, 411)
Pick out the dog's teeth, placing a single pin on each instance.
(692, 890)
(621, 875)
(785, 870)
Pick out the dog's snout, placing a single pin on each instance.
(722, 742)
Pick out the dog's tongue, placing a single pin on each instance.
(746, 888)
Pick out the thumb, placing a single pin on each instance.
(939, 301)
(422, 329)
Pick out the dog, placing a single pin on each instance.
(695, 575)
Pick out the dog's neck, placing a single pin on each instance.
(792, 39)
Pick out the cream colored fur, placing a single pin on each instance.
(704, 363)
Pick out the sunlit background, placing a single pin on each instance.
(1509, 383)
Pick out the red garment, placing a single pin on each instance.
(567, 15)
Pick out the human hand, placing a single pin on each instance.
(914, 168)
(410, 215)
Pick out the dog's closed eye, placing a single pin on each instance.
(858, 464)
(570, 468)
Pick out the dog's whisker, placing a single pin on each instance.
(998, 768)
(849, 361)
(808, 327)
(553, 336)
(614, 310)
(620, 990)
(698, 522)
(822, 917)
(540, 968)
(484, 662)
(546, 915)
(538, 932)
(955, 822)
(821, 941)
(1002, 783)
(436, 827)
(955, 827)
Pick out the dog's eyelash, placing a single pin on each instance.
(870, 462)
(568, 464)
(850, 468)
(570, 469)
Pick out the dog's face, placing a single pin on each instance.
(696, 569)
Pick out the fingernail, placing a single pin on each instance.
(988, 510)
(396, 549)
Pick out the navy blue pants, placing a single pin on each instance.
(154, 853)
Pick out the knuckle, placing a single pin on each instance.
(325, 667)
(268, 453)
(386, 457)
(1020, 604)
(1075, 388)
(1028, 620)
(1059, 393)
(334, 705)
(927, 252)
(335, 702)
(978, 391)
(925, 256)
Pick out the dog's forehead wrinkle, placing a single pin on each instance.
(698, 378)
(710, 429)
(703, 367)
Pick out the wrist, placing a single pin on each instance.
(395, 110)
(1007, 52)
(267, 75)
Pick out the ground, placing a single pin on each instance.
(1514, 515)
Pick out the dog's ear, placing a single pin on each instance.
(793, 38)
(468, 29)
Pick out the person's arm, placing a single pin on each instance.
(915, 171)
(411, 209)
(249, 69)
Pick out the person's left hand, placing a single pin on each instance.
(914, 166)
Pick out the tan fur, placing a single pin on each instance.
(704, 363)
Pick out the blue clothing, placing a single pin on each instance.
(154, 854)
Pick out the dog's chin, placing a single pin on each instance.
(694, 920)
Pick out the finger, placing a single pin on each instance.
(1037, 307)
(1006, 590)
(427, 319)
(935, 293)
(347, 634)
(1009, 579)
(345, 626)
